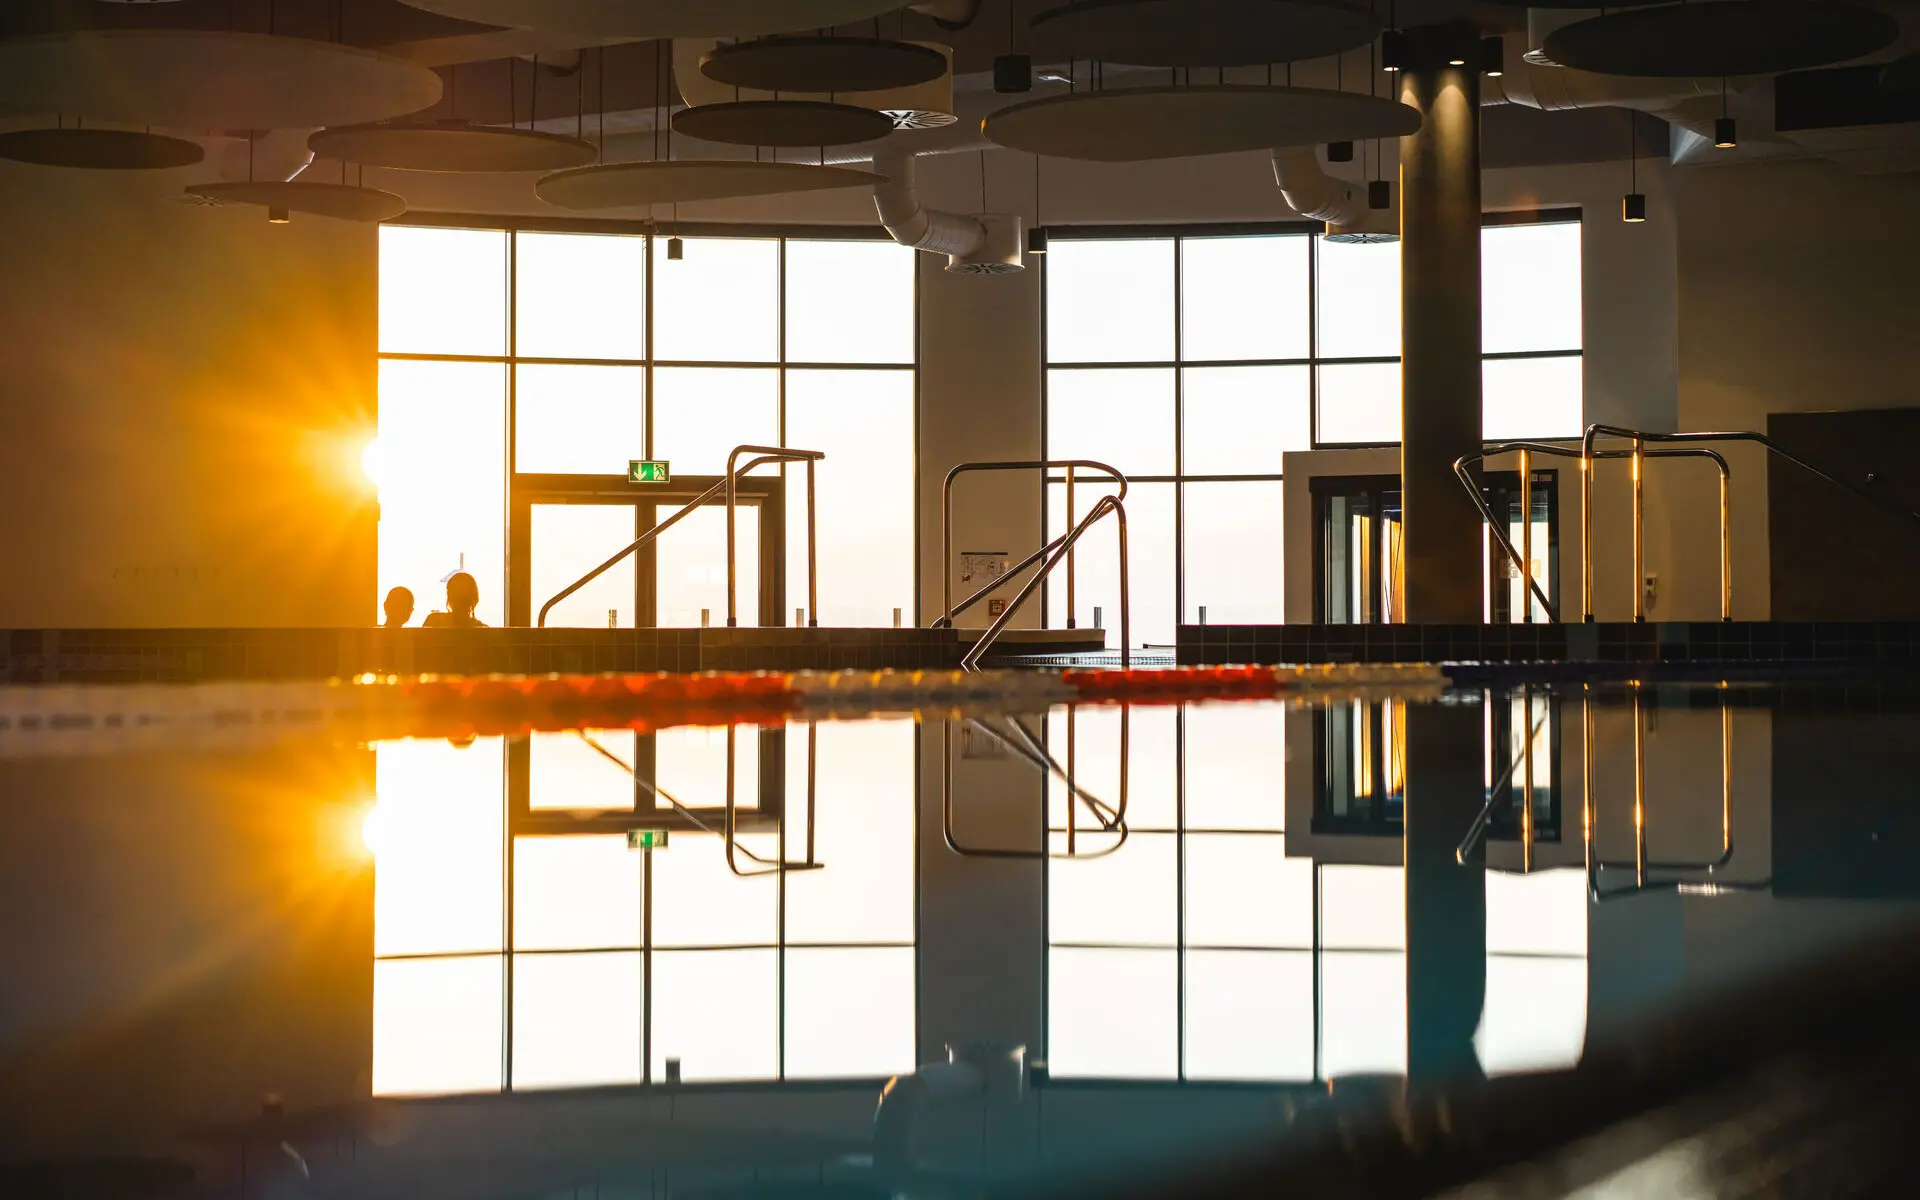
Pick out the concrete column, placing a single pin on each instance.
(1440, 323)
(1446, 901)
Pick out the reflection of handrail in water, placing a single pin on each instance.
(728, 832)
(1035, 753)
(1641, 864)
(1476, 832)
(1116, 822)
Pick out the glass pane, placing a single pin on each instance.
(567, 541)
(1097, 568)
(1250, 1015)
(1530, 287)
(1243, 891)
(576, 893)
(437, 1025)
(849, 302)
(1363, 1007)
(1236, 764)
(691, 766)
(863, 832)
(1113, 1013)
(576, 1020)
(1360, 403)
(1243, 297)
(691, 560)
(1088, 745)
(1110, 301)
(1127, 897)
(443, 291)
(441, 464)
(437, 831)
(721, 303)
(1532, 398)
(1363, 908)
(579, 420)
(715, 1011)
(863, 421)
(697, 901)
(1541, 913)
(1240, 420)
(580, 296)
(566, 774)
(1534, 1017)
(1123, 418)
(701, 414)
(1235, 566)
(850, 1013)
(1359, 296)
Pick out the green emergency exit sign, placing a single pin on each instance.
(642, 471)
(646, 839)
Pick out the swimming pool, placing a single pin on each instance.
(1388, 930)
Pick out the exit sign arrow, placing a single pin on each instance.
(644, 471)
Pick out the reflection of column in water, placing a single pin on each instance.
(1446, 900)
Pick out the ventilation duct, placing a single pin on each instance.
(985, 245)
(276, 156)
(1541, 22)
(1318, 196)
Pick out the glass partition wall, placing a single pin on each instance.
(533, 365)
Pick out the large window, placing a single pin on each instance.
(551, 353)
(1193, 362)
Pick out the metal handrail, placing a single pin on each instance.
(705, 497)
(1107, 504)
(1522, 559)
(1639, 438)
(774, 454)
(1112, 820)
(946, 525)
(1004, 580)
(1477, 831)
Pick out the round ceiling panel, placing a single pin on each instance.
(209, 79)
(638, 184)
(1202, 33)
(661, 18)
(1143, 124)
(782, 123)
(1901, 75)
(1721, 38)
(823, 64)
(99, 149)
(320, 199)
(451, 146)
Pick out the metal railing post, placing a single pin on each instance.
(813, 556)
(1726, 542)
(1586, 527)
(1639, 535)
(1126, 593)
(1526, 766)
(1072, 611)
(1526, 532)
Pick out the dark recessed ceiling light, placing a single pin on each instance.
(1633, 208)
(1724, 134)
(1012, 74)
(1379, 194)
(1339, 152)
(1037, 240)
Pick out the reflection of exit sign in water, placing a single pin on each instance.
(647, 472)
(646, 839)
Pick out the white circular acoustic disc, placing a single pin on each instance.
(661, 18)
(320, 199)
(450, 146)
(1721, 38)
(638, 184)
(209, 79)
(1143, 124)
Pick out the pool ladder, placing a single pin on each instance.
(1060, 549)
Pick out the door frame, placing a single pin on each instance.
(768, 492)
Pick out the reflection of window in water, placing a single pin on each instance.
(1200, 951)
(533, 960)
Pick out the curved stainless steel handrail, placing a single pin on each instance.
(774, 454)
(1523, 559)
(1114, 823)
(1107, 504)
(946, 522)
(705, 497)
(1639, 438)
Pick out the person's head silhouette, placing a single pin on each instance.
(463, 594)
(399, 607)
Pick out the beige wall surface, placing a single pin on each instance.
(184, 396)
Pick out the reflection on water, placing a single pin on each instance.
(1151, 902)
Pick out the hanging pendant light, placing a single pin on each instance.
(1725, 137)
(1037, 233)
(1633, 206)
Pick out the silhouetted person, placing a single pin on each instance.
(399, 608)
(463, 596)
